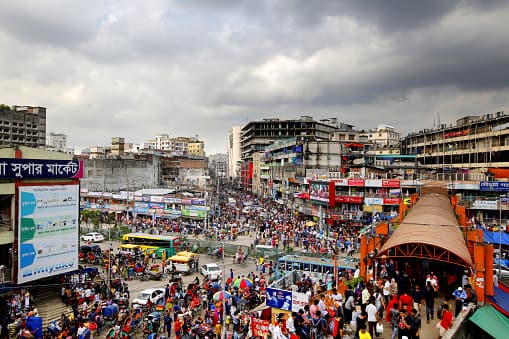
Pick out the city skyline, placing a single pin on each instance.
(134, 70)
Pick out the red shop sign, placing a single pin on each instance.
(392, 201)
(356, 182)
(350, 199)
(259, 328)
(391, 183)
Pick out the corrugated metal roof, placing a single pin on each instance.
(431, 221)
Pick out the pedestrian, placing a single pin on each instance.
(395, 318)
(429, 297)
(460, 296)
(167, 322)
(372, 316)
(446, 321)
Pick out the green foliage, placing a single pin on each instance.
(93, 217)
(354, 282)
(4, 107)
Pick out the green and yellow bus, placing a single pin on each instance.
(149, 243)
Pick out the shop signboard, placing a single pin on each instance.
(40, 169)
(485, 204)
(156, 198)
(373, 201)
(48, 231)
(172, 200)
(277, 298)
(494, 186)
(319, 191)
(391, 183)
(259, 327)
(356, 182)
(392, 201)
(186, 212)
(346, 199)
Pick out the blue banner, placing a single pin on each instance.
(278, 298)
(494, 186)
(40, 169)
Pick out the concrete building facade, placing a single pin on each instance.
(234, 151)
(24, 126)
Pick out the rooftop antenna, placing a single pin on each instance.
(438, 120)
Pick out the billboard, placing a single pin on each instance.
(276, 298)
(319, 191)
(47, 231)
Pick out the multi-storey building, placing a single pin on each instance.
(473, 145)
(257, 135)
(117, 146)
(58, 142)
(23, 125)
(234, 151)
(218, 164)
(196, 148)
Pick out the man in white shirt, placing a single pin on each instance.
(290, 323)
(371, 311)
(357, 273)
(337, 298)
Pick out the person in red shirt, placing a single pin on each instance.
(405, 299)
(446, 321)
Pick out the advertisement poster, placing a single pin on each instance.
(259, 327)
(278, 299)
(48, 231)
(319, 191)
(299, 300)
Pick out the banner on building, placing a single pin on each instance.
(259, 327)
(319, 191)
(47, 231)
(277, 298)
(40, 169)
(495, 186)
(485, 204)
(299, 300)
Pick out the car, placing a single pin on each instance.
(154, 294)
(211, 271)
(93, 237)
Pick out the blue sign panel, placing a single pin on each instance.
(278, 298)
(494, 186)
(40, 169)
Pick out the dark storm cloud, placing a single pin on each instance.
(136, 69)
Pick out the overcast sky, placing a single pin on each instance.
(140, 68)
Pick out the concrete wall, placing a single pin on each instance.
(121, 174)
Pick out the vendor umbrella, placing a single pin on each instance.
(243, 283)
(221, 295)
(310, 223)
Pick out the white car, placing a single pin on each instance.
(93, 237)
(154, 294)
(212, 271)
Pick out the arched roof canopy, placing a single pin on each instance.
(429, 231)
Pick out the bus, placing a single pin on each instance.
(314, 265)
(151, 242)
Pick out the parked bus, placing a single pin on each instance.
(150, 243)
(314, 265)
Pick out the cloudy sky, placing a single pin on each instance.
(197, 67)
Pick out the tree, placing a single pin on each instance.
(4, 107)
(91, 216)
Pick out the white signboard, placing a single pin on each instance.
(485, 204)
(47, 231)
(299, 300)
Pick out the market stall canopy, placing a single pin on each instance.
(429, 231)
(491, 321)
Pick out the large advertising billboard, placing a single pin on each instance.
(47, 231)
(319, 191)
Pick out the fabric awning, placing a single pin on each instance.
(491, 321)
